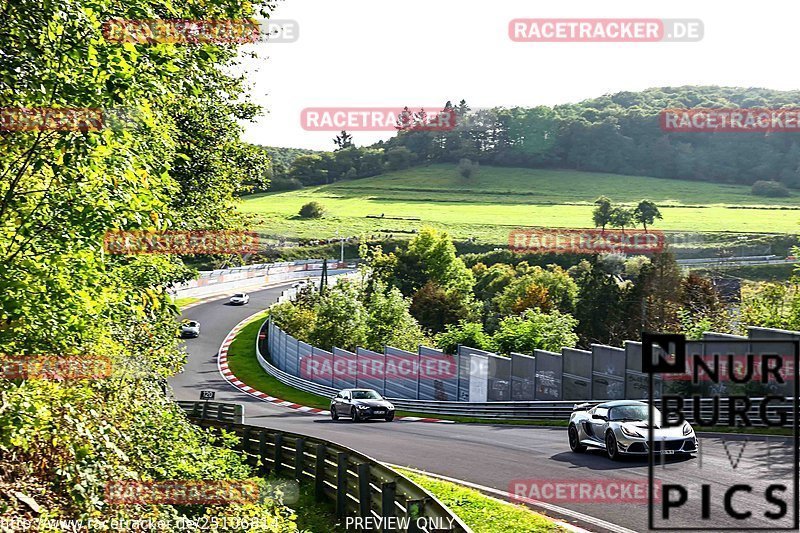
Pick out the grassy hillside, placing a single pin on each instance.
(497, 199)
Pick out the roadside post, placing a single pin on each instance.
(206, 395)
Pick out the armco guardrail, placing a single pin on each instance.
(531, 410)
(357, 484)
(226, 412)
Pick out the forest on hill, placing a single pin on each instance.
(617, 133)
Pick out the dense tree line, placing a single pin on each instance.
(275, 176)
(503, 296)
(619, 133)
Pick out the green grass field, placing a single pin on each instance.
(488, 205)
(481, 513)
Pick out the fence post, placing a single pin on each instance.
(246, 439)
(364, 498)
(341, 483)
(384, 370)
(419, 367)
(278, 452)
(319, 472)
(299, 458)
(458, 372)
(205, 410)
(297, 358)
(387, 502)
(414, 510)
(262, 450)
(220, 412)
(511, 378)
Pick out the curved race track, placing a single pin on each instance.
(489, 455)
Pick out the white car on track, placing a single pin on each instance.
(621, 427)
(240, 298)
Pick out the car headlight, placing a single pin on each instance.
(390, 406)
(362, 406)
(687, 429)
(630, 432)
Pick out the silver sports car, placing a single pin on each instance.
(620, 427)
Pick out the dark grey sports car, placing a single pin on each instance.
(361, 404)
(621, 427)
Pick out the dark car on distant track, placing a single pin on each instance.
(361, 404)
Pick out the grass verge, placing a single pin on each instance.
(243, 363)
(183, 302)
(482, 513)
(314, 516)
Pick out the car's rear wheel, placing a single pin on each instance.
(611, 446)
(390, 417)
(334, 414)
(574, 442)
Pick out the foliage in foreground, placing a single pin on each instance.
(175, 163)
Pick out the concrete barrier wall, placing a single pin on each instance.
(603, 373)
(248, 277)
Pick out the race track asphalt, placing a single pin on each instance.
(497, 455)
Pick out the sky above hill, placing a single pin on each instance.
(370, 53)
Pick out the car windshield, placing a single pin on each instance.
(238, 295)
(632, 412)
(366, 395)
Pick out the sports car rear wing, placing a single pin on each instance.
(582, 406)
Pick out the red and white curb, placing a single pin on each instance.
(230, 377)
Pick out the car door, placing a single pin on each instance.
(599, 422)
(336, 402)
(346, 404)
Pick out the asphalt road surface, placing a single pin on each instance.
(501, 456)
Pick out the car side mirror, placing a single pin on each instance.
(599, 417)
